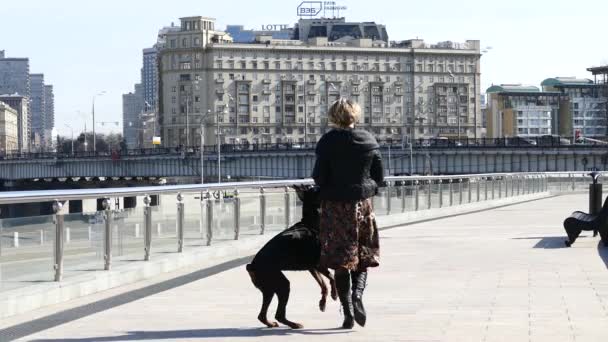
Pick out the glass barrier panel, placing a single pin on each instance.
(84, 243)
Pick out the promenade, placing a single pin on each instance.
(495, 275)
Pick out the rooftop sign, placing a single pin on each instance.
(310, 8)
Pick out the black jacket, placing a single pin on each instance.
(348, 165)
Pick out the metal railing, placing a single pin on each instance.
(204, 214)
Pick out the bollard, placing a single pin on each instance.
(237, 214)
(416, 198)
(68, 235)
(180, 223)
(107, 241)
(137, 230)
(262, 211)
(209, 218)
(595, 194)
(287, 211)
(90, 233)
(15, 239)
(41, 237)
(147, 228)
(159, 229)
(58, 209)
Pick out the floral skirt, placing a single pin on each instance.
(349, 235)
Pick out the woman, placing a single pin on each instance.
(348, 170)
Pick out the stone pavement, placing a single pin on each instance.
(496, 275)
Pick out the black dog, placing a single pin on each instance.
(294, 249)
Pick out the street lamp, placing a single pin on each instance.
(101, 93)
(70, 127)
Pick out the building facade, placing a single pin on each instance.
(522, 111)
(15, 76)
(279, 90)
(8, 129)
(21, 105)
(38, 110)
(49, 114)
(132, 108)
(586, 111)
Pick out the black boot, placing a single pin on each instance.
(343, 287)
(359, 282)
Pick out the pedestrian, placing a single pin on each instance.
(348, 170)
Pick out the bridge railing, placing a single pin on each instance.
(430, 143)
(179, 217)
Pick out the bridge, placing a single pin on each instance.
(481, 261)
(296, 161)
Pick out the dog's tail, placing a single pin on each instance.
(250, 269)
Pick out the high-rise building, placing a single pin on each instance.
(149, 78)
(279, 90)
(524, 111)
(15, 80)
(37, 108)
(21, 105)
(586, 110)
(49, 119)
(132, 108)
(8, 129)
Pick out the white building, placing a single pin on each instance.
(279, 90)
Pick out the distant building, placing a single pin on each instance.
(240, 35)
(49, 102)
(38, 110)
(337, 28)
(8, 128)
(15, 76)
(277, 90)
(149, 78)
(132, 108)
(524, 111)
(21, 105)
(586, 108)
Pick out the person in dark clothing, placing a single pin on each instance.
(348, 170)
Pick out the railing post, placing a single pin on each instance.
(573, 184)
(430, 192)
(209, 200)
(451, 187)
(147, 227)
(440, 193)
(493, 187)
(512, 185)
(180, 222)
(417, 197)
(262, 211)
(237, 214)
(478, 187)
(388, 197)
(459, 190)
(287, 209)
(500, 187)
(518, 183)
(469, 189)
(107, 236)
(485, 182)
(403, 197)
(58, 209)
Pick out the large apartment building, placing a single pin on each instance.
(275, 90)
(8, 128)
(20, 104)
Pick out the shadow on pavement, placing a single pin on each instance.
(201, 333)
(547, 242)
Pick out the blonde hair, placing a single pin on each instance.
(344, 112)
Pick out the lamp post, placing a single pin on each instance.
(70, 127)
(101, 93)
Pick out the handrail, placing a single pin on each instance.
(13, 197)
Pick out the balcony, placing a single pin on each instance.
(220, 91)
(219, 80)
(266, 81)
(312, 82)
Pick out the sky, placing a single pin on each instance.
(85, 47)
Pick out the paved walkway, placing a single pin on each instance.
(498, 275)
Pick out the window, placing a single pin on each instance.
(197, 41)
(255, 98)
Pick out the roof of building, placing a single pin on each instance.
(512, 88)
(565, 81)
(598, 70)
